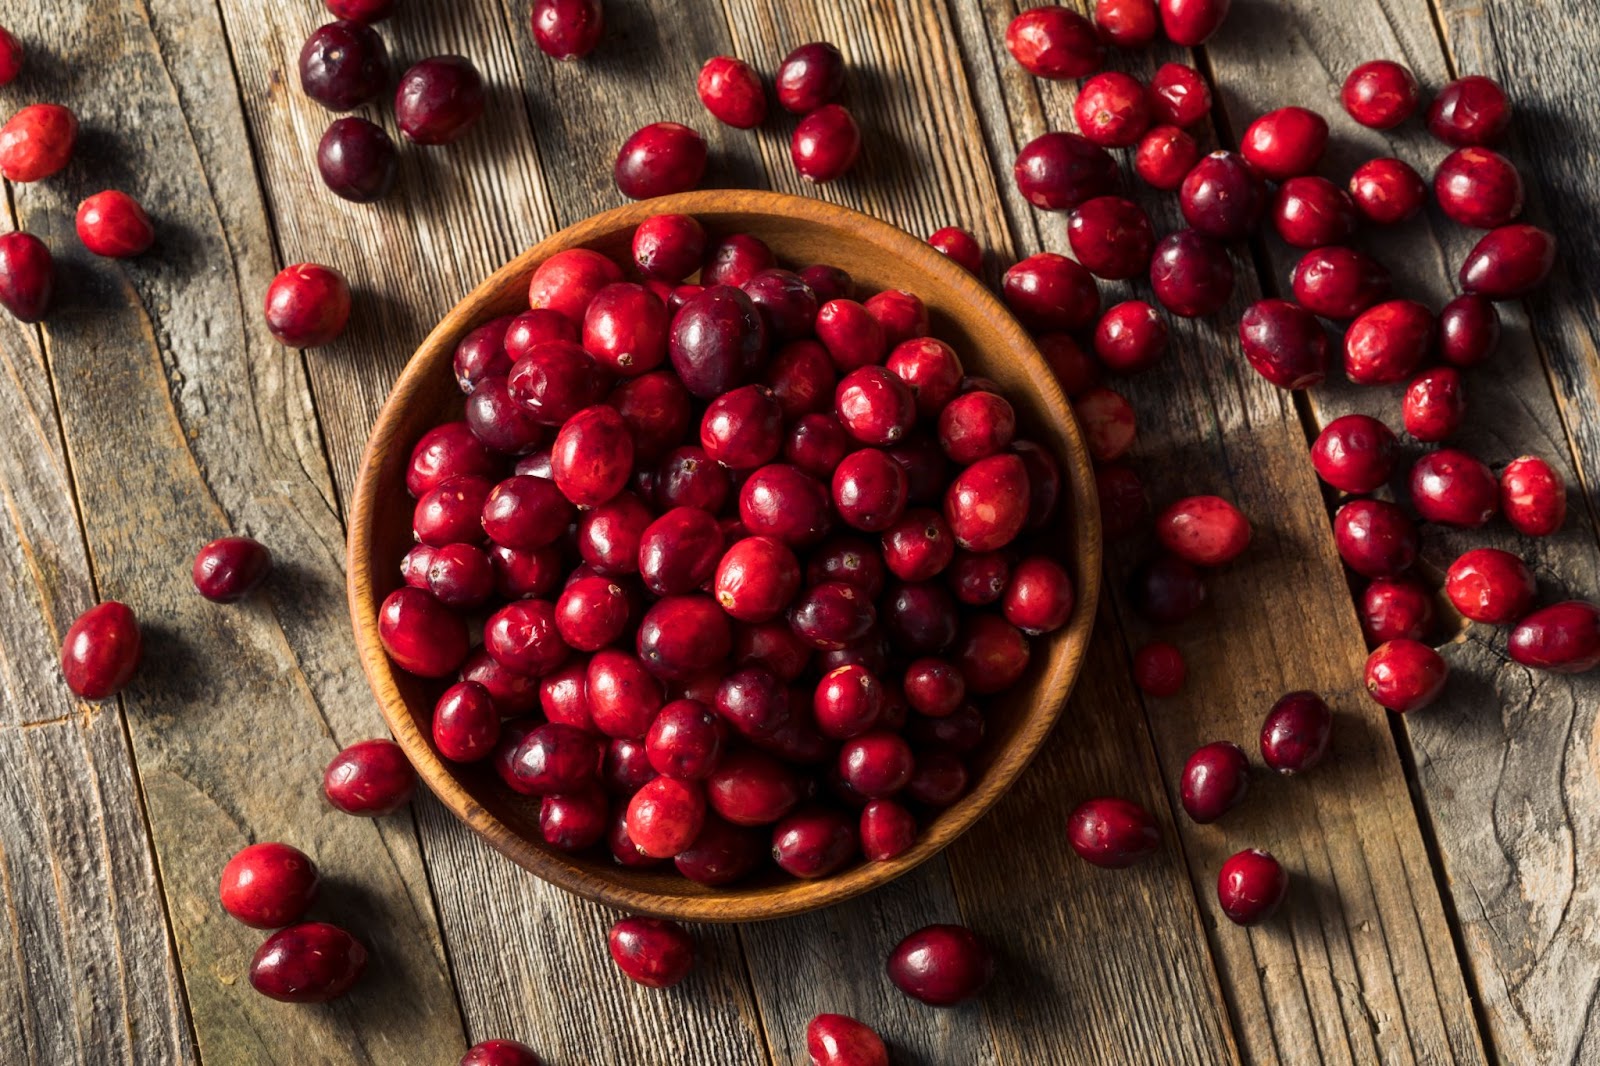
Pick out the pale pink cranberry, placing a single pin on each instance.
(1387, 191)
(1054, 42)
(1251, 886)
(1112, 110)
(1469, 111)
(731, 90)
(960, 247)
(1159, 669)
(1564, 637)
(567, 29)
(1405, 675)
(1113, 833)
(1380, 94)
(1285, 143)
(1179, 95)
(37, 142)
(1204, 530)
(1165, 156)
(1490, 586)
(1533, 496)
(660, 159)
(1435, 404)
(1453, 488)
(1390, 608)
(1191, 22)
(268, 885)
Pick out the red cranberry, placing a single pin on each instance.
(655, 407)
(736, 260)
(460, 575)
(1127, 23)
(1040, 597)
(27, 276)
(1395, 607)
(1179, 96)
(809, 77)
(312, 962)
(1509, 261)
(722, 853)
(1533, 496)
(1453, 488)
(1469, 111)
(592, 457)
(1054, 42)
(669, 247)
(836, 1040)
(1123, 507)
(1251, 886)
(1380, 94)
(421, 635)
(814, 842)
(503, 758)
(941, 965)
(848, 701)
(1204, 530)
(1112, 110)
(825, 144)
(1111, 236)
(934, 687)
(1164, 157)
(522, 636)
(960, 247)
(756, 579)
(1215, 780)
(752, 788)
(307, 305)
(681, 636)
(853, 560)
(556, 758)
(1387, 191)
(660, 159)
(37, 142)
(1338, 282)
(1047, 291)
(1478, 187)
(1404, 675)
(1375, 538)
(1191, 22)
(1469, 330)
(651, 951)
(592, 612)
(685, 741)
(1159, 669)
(446, 451)
(718, 340)
(1435, 404)
(1564, 638)
(625, 329)
(1167, 590)
(1059, 171)
(828, 282)
(831, 615)
(230, 568)
(931, 369)
(370, 778)
(689, 478)
(1285, 143)
(987, 504)
(679, 551)
(902, 315)
(787, 304)
(266, 885)
(992, 654)
(1295, 735)
(976, 425)
(1191, 274)
(524, 512)
(852, 334)
(466, 723)
(1130, 337)
(1112, 833)
(439, 100)
(482, 354)
(500, 1053)
(874, 405)
(576, 821)
(781, 502)
(113, 224)
(1388, 342)
(513, 693)
(1310, 212)
(1223, 197)
(1284, 344)
(624, 770)
(567, 29)
(743, 429)
(731, 90)
(451, 512)
(343, 65)
(567, 281)
(869, 490)
(10, 56)
(1490, 586)
(802, 379)
(1355, 453)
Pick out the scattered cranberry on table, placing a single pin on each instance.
(1251, 886)
(1296, 733)
(1112, 833)
(268, 885)
(37, 142)
(839, 1040)
(810, 76)
(1355, 453)
(230, 568)
(500, 1053)
(1509, 262)
(1179, 96)
(1478, 187)
(1309, 212)
(1215, 780)
(1129, 338)
(368, 11)
(357, 160)
(1112, 109)
(1058, 171)
(941, 965)
(567, 29)
(1453, 488)
(1191, 274)
(1204, 530)
(660, 159)
(1533, 496)
(313, 962)
(1284, 343)
(439, 100)
(1054, 42)
(11, 56)
(1112, 237)
(1435, 404)
(1380, 94)
(112, 224)
(27, 276)
(1223, 196)
(1469, 111)
(1375, 538)
(651, 951)
(1285, 143)
(1159, 670)
(1387, 191)
(1388, 343)
(344, 65)
(731, 90)
(825, 144)
(1390, 608)
(371, 778)
(101, 650)
(1564, 637)
(960, 247)
(1405, 675)
(1127, 23)
(307, 305)
(1338, 282)
(1164, 157)
(1469, 330)
(1490, 585)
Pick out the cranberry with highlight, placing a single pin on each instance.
(313, 962)
(1564, 637)
(268, 885)
(1478, 187)
(11, 55)
(652, 952)
(500, 1053)
(421, 635)
(522, 636)
(1469, 111)
(1191, 22)
(960, 247)
(1059, 171)
(1453, 488)
(460, 575)
(1112, 110)
(1435, 404)
(1284, 344)
(780, 501)
(1309, 212)
(1405, 675)
(1380, 94)
(787, 304)
(731, 90)
(567, 281)
(1469, 330)
(1112, 237)
(660, 159)
(669, 247)
(567, 29)
(1130, 337)
(1047, 291)
(1179, 95)
(1127, 23)
(825, 144)
(1533, 496)
(1388, 342)
(1375, 538)
(1251, 886)
(1164, 157)
(27, 276)
(1338, 282)
(750, 788)
(439, 100)
(1112, 833)
(810, 76)
(1204, 530)
(466, 723)
(1040, 597)
(1215, 780)
(343, 65)
(230, 568)
(1054, 42)
(1509, 261)
(307, 305)
(37, 142)
(1159, 669)
(1191, 274)
(941, 965)
(1223, 197)
(987, 503)
(1390, 608)
(1296, 733)
(718, 339)
(113, 224)
(1285, 143)
(1355, 453)
(1387, 191)
(370, 778)
(837, 1040)
(814, 842)
(1490, 586)
(876, 764)
(524, 512)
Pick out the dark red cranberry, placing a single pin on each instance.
(934, 687)
(11, 54)
(421, 635)
(960, 247)
(1469, 111)
(787, 304)
(371, 778)
(887, 831)
(809, 77)
(1251, 886)
(736, 260)
(817, 444)
(1191, 22)
(1054, 42)
(624, 770)
(1040, 597)
(27, 276)
(780, 501)
(482, 354)
(927, 469)
(1453, 488)
(610, 535)
(466, 723)
(1375, 538)
(268, 885)
(852, 335)
(655, 407)
(1490, 586)
(1215, 780)
(1047, 291)
(312, 962)
(651, 951)
(1395, 607)
(1127, 23)
(1179, 95)
(230, 568)
(555, 758)
(802, 378)
(1223, 197)
(731, 90)
(1159, 669)
(941, 965)
(1191, 274)
(451, 512)
(722, 853)
(1167, 590)
(1469, 330)
(718, 340)
(1112, 833)
(1044, 483)
(681, 636)
(1284, 344)
(1059, 171)
(1564, 637)
(1380, 94)
(828, 282)
(1123, 507)
(1405, 675)
(513, 693)
(1533, 496)
(1204, 530)
(920, 619)
(1309, 212)
(752, 699)
(689, 478)
(869, 490)
(1340, 283)
(992, 654)
(825, 144)
(1387, 191)
(1107, 421)
(439, 100)
(851, 559)
(1435, 404)
(959, 733)
(502, 759)
(112, 224)
(574, 821)
(343, 65)
(976, 425)
(679, 551)
(1285, 143)
(307, 305)
(1388, 342)
(1478, 187)
(1111, 236)
(660, 159)
(460, 575)
(1295, 735)
(752, 788)
(987, 504)
(37, 142)
(522, 512)
(592, 612)
(1355, 453)
(522, 636)
(1165, 156)
(814, 842)
(831, 615)
(500, 1053)
(567, 281)
(567, 29)
(1112, 109)
(1509, 261)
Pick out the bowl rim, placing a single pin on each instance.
(730, 903)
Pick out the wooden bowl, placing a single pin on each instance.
(800, 231)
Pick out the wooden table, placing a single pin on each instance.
(1446, 866)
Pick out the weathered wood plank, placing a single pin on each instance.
(183, 420)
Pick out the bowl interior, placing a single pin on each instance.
(800, 231)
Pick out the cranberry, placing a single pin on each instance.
(513, 693)
(27, 276)
(743, 429)
(1469, 330)
(987, 504)
(731, 90)
(556, 758)
(828, 282)
(1112, 833)
(825, 144)
(1251, 886)
(1223, 197)
(592, 612)
(681, 636)
(1404, 675)
(1191, 274)
(567, 281)
(931, 369)
(268, 885)
(1388, 342)
(781, 502)
(853, 560)
(1375, 538)
(500, 1052)
(1047, 291)
(1164, 157)
(1123, 507)
(1337, 282)
(439, 100)
(1564, 638)
(722, 853)
(809, 77)
(934, 687)
(307, 305)
(1040, 596)
(992, 654)
(1059, 171)
(1435, 404)
(1130, 337)
(926, 468)
(522, 636)
(756, 578)
(941, 965)
(1127, 23)
(370, 778)
(718, 340)
(482, 354)
(37, 142)
(1509, 261)
(976, 425)
(1478, 187)
(1453, 488)
(660, 159)
(421, 635)
(802, 379)
(502, 760)
(1533, 496)
(230, 568)
(1167, 590)
(1159, 669)
(679, 551)
(852, 334)
(1380, 94)
(669, 247)
(625, 329)
(848, 701)
(651, 951)
(624, 770)
(1490, 586)
(1191, 22)
(1469, 111)
(736, 260)
(787, 304)
(460, 575)
(689, 478)
(1355, 453)
(831, 615)
(1395, 607)
(1310, 212)
(592, 457)
(837, 1040)
(1112, 110)
(751, 788)
(10, 56)
(1111, 236)
(1284, 343)
(685, 741)
(960, 247)
(576, 821)
(1179, 96)
(869, 490)
(959, 732)
(1387, 191)
(1204, 530)
(466, 723)
(567, 29)
(1044, 483)
(814, 842)
(1053, 42)
(1295, 735)
(1285, 143)
(903, 316)
(451, 512)
(313, 962)
(343, 65)
(874, 405)
(113, 224)
(1215, 780)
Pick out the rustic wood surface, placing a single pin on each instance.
(1445, 865)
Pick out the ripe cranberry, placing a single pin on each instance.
(836, 1040)
(787, 304)
(1164, 157)
(1395, 607)
(27, 276)
(513, 693)
(685, 741)
(1127, 23)
(1453, 488)
(1375, 538)
(681, 636)
(1112, 110)
(869, 490)
(37, 142)
(655, 407)
(312, 962)
(1111, 236)
(343, 65)
(1047, 291)
(1284, 344)
(718, 340)
(1123, 507)
(1251, 886)
(931, 369)
(1469, 330)
(439, 100)
(10, 56)
(1509, 261)
(920, 619)
(500, 1053)
(567, 281)
(735, 260)
(1490, 586)
(522, 636)
(1478, 187)
(1215, 780)
(1159, 669)
(592, 457)
(722, 853)
(927, 469)
(1469, 111)
(421, 635)
(466, 723)
(960, 247)
(934, 687)
(1388, 342)
(1295, 735)
(113, 224)
(624, 770)
(1355, 453)
(1387, 191)
(1044, 483)
(731, 90)
(482, 354)
(752, 788)
(1204, 530)
(976, 425)
(371, 778)
(1053, 42)
(1337, 282)
(267, 885)
(307, 305)
(1191, 22)
(852, 335)
(853, 560)
(1533, 496)
(1223, 197)
(625, 329)
(502, 759)
(902, 315)
(576, 821)
(592, 612)
(522, 512)
(1179, 95)
(825, 144)
(874, 405)
(450, 512)
(1435, 404)
(1285, 143)
(742, 429)
(1040, 596)
(679, 551)
(1167, 590)
(756, 579)
(992, 654)
(556, 758)
(651, 951)
(848, 701)
(809, 77)
(567, 29)
(660, 159)
(987, 503)
(230, 568)
(828, 282)
(941, 965)
(1380, 94)
(1564, 637)
(802, 379)
(1191, 274)
(1112, 833)
(1310, 212)
(831, 615)
(689, 478)
(814, 842)
(1130, 337)
(460, 575)
(1404, 675)
(668, 247)
(1059, 171)
(781, 502)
